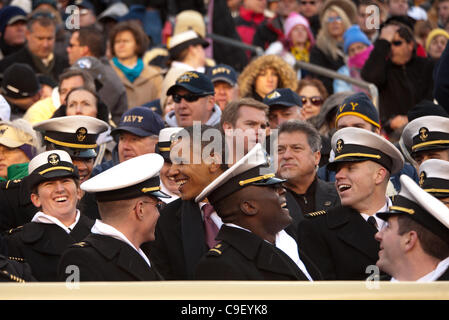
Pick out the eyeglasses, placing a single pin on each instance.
(316, 101)
(334, 19)
(397, 43)
(308, 2)
(187, 97)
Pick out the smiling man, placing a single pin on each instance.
(253, 242)
(193, 94)
(341, 241)
(182, 232)
(54, 182)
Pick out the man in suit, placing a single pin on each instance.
(181, 231)
(253, 244)
(299, 145)
(415, 244)
(341, 241)
(128, 199)
(39, 49)
(54, 182)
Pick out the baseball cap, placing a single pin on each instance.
(282, 97)
(194, 82)
(223, 72)
(140, 121)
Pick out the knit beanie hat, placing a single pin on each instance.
(352, 35)
(434, 33)
(292, 21)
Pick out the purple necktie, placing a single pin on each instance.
(210, 227)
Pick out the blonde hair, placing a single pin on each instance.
(325, 41)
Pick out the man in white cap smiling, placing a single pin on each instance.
(340, 241)
(414, 246)
(252, 242)
(128, 199)
(54, 182)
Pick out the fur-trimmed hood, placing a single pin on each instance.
(287, 75)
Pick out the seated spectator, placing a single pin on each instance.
(285, 104)
(12, 30)
(21, 88)
(128, 43)
(224, 79)
(436, 42)
(251, 15)
(336, 17)
(18, 145)
(403, 79)
(297, 42)
(310, 9)
(312, 94)
(358, 48)
(263, 75)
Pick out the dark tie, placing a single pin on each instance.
(210, 227)
(372, 222)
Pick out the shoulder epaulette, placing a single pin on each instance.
(17, 259)
(14, 230)
(81, 244)
(217, 250)
(315, 214)
(11, 183)
(12, 277)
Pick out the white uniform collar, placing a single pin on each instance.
(434, 274)
(41, 217)
(107, 230)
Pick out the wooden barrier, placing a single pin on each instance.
(226, 290)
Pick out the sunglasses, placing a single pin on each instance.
(308, 2)
(316, 101)
(187, 97)
(334, 19)
(397, 43)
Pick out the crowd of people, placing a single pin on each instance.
(135, 145)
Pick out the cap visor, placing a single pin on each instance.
(223, 79)
(159, 194)
(268, 182)
(137, 131)
(189, 88)
(10, 143)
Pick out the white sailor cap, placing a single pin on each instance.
(245, 172)
(420, 206)
(355, 144)
(166, 138)
(50, 165)
(426, 133)
(129, 179)
(75, 134)
(434, 177)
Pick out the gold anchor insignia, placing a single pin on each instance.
(81, 134)
(422, 177)
(53, 159)
(423, 133)
(339, 145)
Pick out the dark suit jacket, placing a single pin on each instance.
(103, 258)
(24, 56)
(41, 245)
(242, 255)
(180, 240)
(340, 243)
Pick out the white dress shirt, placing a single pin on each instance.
(41, 217)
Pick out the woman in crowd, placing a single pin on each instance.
(128, 43)
(436, 42)
(297, 44)
(263, 75)
(336, 17)
(313, 94)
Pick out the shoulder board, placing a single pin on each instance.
(17, 259)
(12, 183)
(14, 230)
(315, 214)
(81, 244)
(217, 250)
(11, 277)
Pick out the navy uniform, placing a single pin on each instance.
(427, 211)
(40, 243)
(242, 254)
(425, 134)
(434, 178)
(14, 270)
(340, 241)
(77, 135)
(106, 254)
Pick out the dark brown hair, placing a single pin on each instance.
(137, 31)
